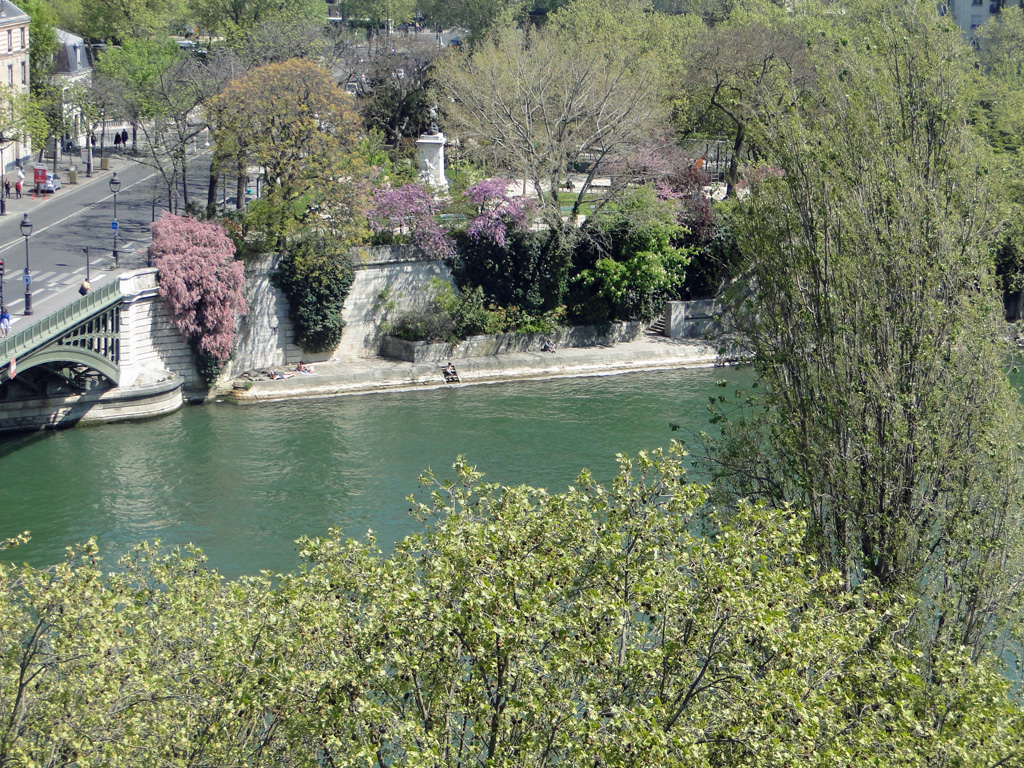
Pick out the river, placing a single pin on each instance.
(243, 482)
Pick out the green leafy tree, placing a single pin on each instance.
(631, 264)
(610, 625)
(292, 120)
(121, 21)
(477, 16)
(229, 17)
(738, 75)
(159, 90)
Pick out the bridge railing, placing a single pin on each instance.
(62, 320)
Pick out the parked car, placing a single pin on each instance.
(52, 182)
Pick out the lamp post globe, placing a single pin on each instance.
(26, 230)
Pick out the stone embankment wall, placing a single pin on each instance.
(265, 334)
(119, 404)
(389, 280)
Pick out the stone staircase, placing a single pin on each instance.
(657, 327)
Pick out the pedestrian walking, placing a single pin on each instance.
(5, 322)
(17, 190)
(7, 188)
(117, 140)
(124, 138)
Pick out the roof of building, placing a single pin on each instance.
(72, 55)
(10, 12)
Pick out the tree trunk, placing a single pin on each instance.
(240, 189)
(211, 190)
(183, 159)
(734, 161)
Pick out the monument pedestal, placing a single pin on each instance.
(430, 158)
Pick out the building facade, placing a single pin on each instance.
(73, 67)
(14, 73)
(970, 14)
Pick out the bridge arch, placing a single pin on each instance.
(68, 354)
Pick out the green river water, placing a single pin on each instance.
(244, 482)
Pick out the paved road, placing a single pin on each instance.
(76, 217)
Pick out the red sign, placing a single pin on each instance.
(40, 174)
(14, 367)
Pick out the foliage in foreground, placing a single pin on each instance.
(607, 626)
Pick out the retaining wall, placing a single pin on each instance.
(700, 319)
(265, 336)
(504, 343)
(151, 345)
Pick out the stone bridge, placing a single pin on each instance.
(115, 354)
(110, 355)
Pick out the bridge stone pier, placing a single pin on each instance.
(112, 355)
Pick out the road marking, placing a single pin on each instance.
(7, 246)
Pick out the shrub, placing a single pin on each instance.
(716, 261)
(316, 275)
(528, 270)
(202, 284)
(631, 264)
(457, 314)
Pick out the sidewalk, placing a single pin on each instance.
(362, 375)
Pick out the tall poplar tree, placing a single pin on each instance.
(877, 331)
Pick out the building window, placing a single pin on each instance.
(24, 38)
(24, 74)
(10, 74)
(976, 21)
(976, 2)
(10, 39)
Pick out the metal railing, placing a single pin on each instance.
(61, 321)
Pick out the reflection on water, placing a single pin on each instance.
(244, 482)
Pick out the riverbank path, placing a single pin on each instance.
(650, 352)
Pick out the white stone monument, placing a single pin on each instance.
(430, 155)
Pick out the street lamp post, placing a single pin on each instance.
(115, 185)
(26, 230)
(3, 175)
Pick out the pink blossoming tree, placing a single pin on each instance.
(410, 211)
(497, 213)
(200, 280)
